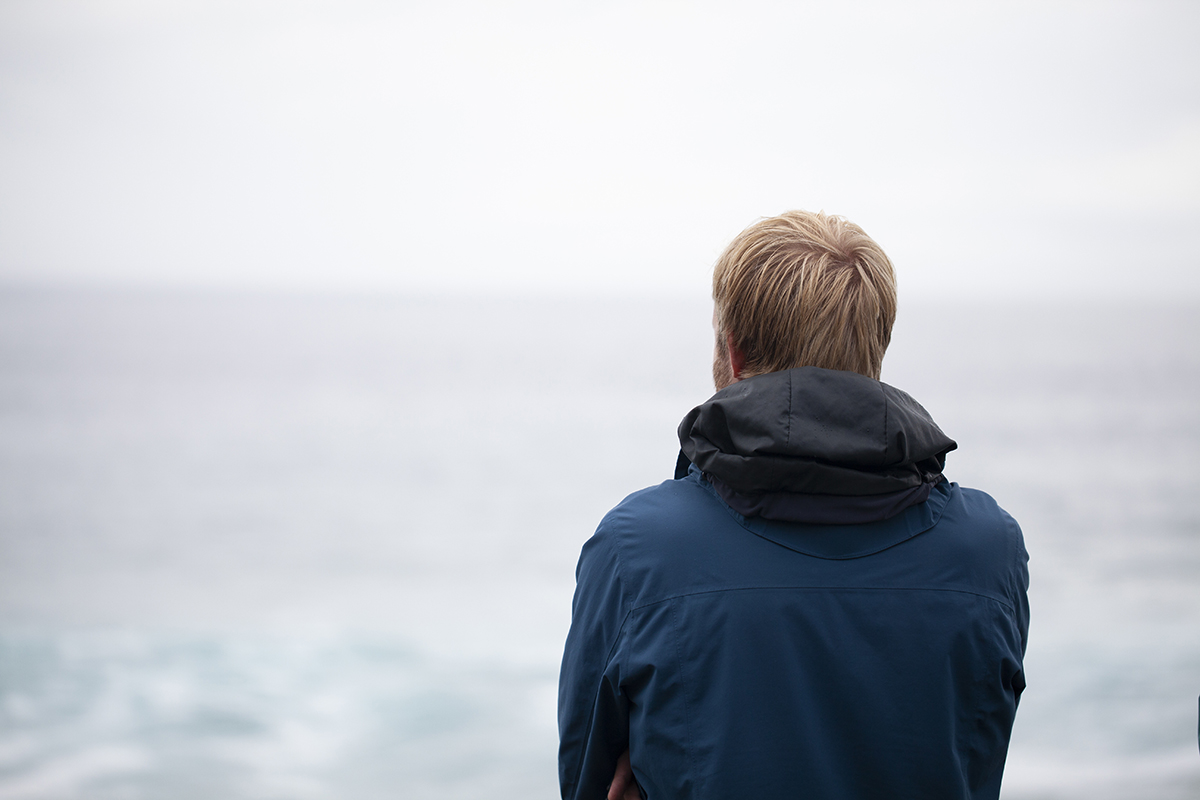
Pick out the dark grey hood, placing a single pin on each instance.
(813, 431)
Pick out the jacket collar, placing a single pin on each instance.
(817, 445)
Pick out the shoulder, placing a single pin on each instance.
(643, 538)
(668, 506)
(666, 516)
(980, 514)
(985, 542)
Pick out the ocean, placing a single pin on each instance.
(317, 546)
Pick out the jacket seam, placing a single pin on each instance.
(687, 706)
(662, 600)
(741, 521)
(591, 717)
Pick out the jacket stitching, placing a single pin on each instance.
(687, 706)
(591, 717)
(994, 599)
(740, 520)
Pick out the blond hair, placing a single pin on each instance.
(804, 289)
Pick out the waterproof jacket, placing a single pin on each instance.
(809, 610)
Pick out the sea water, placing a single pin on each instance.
(301, 546)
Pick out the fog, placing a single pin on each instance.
(1016, 149)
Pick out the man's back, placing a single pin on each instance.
(752, 657)
(811, 610)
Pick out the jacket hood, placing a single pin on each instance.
(815, 431)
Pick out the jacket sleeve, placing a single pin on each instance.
(1020, 597)
(593, 714)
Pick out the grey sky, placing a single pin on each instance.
(991, 148)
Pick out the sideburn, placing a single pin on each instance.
(722, 370)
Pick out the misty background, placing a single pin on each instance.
(328, 332)
(993, 148)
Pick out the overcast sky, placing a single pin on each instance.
(991, 148)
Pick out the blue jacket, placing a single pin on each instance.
(768, 655)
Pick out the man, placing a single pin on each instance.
(809, 610)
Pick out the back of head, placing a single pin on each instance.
(804, 289)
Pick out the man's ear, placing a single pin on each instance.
(737, 359)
